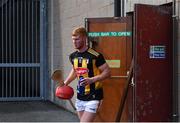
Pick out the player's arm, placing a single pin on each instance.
(105, 73)
(72, 75)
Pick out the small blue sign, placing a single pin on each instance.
(157, 52)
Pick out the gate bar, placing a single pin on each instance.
(19, 65)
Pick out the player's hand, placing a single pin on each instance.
(86, 81)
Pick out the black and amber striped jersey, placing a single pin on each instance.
(86, 65)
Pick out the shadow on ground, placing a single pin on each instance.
(35, 111)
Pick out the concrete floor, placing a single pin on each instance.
(35, 111)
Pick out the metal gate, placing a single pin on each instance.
(22, 46)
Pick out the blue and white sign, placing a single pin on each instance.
(158, 52)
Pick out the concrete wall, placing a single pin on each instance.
(63, 16)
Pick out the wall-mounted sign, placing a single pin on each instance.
(157, 51)
(103, 34)
(113, 63)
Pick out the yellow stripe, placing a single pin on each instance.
(96, 72)
(75, 63)
(84, 65)
(93, 52)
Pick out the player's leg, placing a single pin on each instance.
(80, 113)
(79, 107)
(87, 117)
(90, 111)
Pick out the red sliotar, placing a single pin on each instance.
(64, 92)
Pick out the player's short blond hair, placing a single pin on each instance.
(79, 31)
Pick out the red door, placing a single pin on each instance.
(153, 63)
